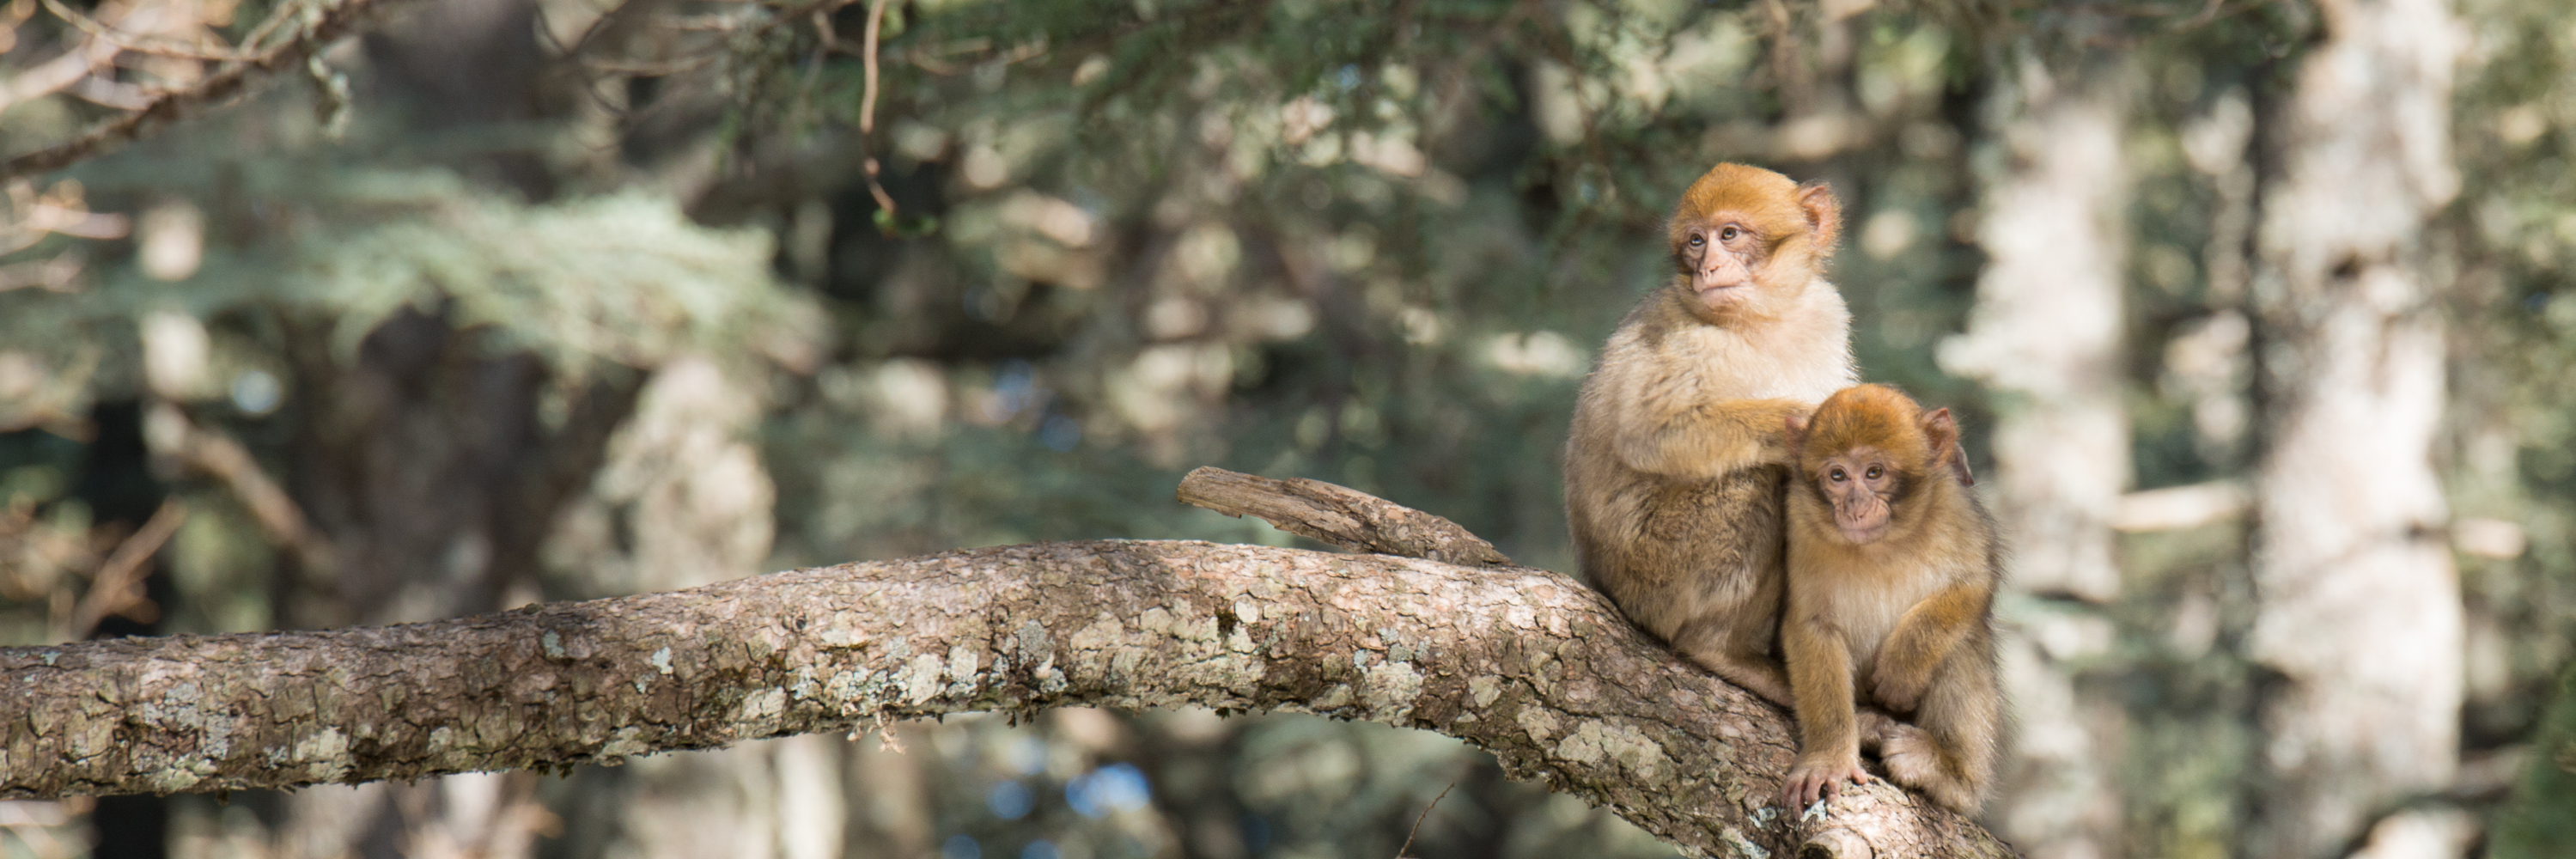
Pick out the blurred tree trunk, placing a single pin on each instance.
(437, 461)
(889, 797)
(682, 500)
(2045, 336)
(2357, 603)
(430, 465)
(119, 488)
(472, 67)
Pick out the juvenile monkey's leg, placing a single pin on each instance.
(1922, 644)
(1949, 753)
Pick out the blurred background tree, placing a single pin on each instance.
(516, 300)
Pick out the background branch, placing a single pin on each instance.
(117, 586)
(317, 25)
(218, 454)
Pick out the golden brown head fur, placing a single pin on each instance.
(1794, 227)
(1873, 415)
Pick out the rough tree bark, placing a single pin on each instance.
(1525, 663)
(2357, 605)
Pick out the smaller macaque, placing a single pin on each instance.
(1892, 570)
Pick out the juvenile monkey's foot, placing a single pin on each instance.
(1814, 779)
(1914, 760)
(1876, 727)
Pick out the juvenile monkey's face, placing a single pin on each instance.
(1861, 483)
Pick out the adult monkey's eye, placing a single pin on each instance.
(1726, 235)
(1837, 475)
(1875, 472)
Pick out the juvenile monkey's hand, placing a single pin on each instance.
(1814, 779)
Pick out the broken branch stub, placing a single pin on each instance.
(1339, 516)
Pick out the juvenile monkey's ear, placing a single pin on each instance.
(1944, 434)
(1824, 214)
(1795, 425)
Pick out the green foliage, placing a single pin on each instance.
(2536, 823)
(622, 279)
(2507, 243)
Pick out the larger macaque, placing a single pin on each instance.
(1675, 467)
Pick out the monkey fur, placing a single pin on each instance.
(1892, 570)
(1676, 464)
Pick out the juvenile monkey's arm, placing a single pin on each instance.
(1820, 677)
(1922, 639)
(1708, 439)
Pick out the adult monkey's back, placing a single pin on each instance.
(1677, 460)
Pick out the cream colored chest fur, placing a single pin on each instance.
(1726, 366)
(1869, 612)
(1806, 357)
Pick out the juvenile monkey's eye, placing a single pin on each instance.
(1875, 472)
(1837, 476)
(1726, 235)
(1697, 240)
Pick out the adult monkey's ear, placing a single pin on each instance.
(1824, 214)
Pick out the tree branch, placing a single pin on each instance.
(314, 26)
(1525, 663)
(1343, 517)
